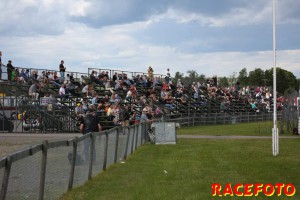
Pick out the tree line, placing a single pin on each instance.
(258, 77)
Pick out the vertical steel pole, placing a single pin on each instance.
(92, 152)
(73, 163)
(43, 169)
(117, 144)
(127, 141)
(105, 150)
(275, 141)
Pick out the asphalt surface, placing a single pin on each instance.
(11, 142)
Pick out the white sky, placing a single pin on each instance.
(211, 37)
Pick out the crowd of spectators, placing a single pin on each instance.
(129, 100)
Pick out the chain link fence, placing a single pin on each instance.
(48, 170)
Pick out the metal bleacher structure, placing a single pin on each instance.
(46, 117)
(204, 110)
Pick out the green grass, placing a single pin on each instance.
(255, 129)
(192, 166)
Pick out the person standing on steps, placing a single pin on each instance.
(62, 71)
(10, 69)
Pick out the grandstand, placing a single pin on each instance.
(45, 109)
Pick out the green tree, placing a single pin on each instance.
(201, 78)
(269, 77)
(223, 82)
(232, 79)
(256, 77)
(178, 75)
(284, 79)
(243, 77)
(193, 75)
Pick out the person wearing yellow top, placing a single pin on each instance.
(111, 111)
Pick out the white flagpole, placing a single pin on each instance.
(275, 141)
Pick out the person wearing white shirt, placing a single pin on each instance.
(128, 95)
(168, 72)
(51, 76)
(41, 78)
(62, 90)
(85, 89)
(168, 76)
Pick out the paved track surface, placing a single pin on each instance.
(11, 142)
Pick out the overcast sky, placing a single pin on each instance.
(212, 37)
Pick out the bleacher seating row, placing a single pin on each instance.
(205, 103)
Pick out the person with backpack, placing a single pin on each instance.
(90, 123)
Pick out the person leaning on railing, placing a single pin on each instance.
(146, 113)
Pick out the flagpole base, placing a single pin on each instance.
(275, 141)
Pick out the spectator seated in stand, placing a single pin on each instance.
(71, 88)
(63, 92)
(20, 77)
(158, 113)
(110, 111)
(73, 81)
(96, 79)
(88, 90)
(145, 117)
(131, 94)
(34, 90)
(95, 100)
(119, 85)
(223, 107)
(56, 82)
(126, 81)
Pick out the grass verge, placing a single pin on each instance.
(187, 170)
(254, 129)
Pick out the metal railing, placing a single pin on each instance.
(194, 119)
(35, 116)
(48, 170)
(129, 74)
